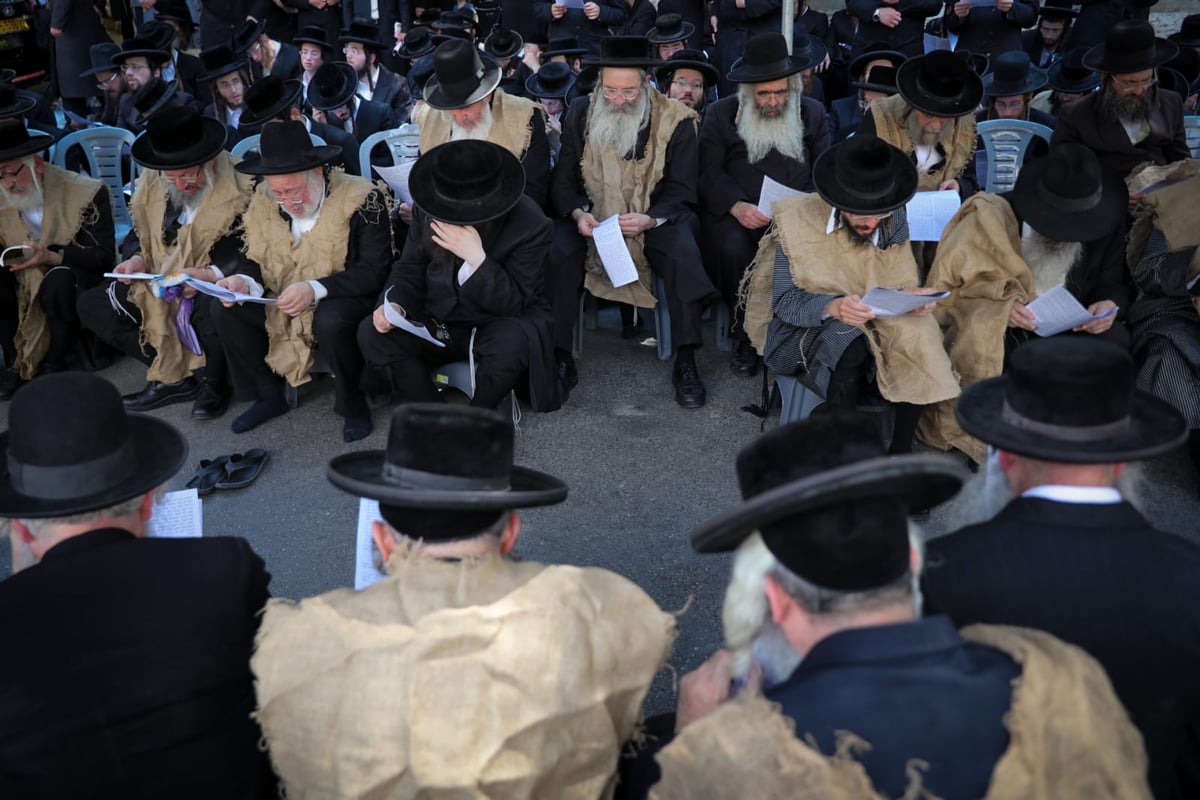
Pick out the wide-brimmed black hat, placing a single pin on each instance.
(1013, 73)
(312, 34)
(940, 83)
(418, 42)
(16, 141)
(502, 43)
(284, 148)
(138, 46)
(551, 80)
(466, 182)
(71, 448)
(363, 33)
(1172, 80)
(152, 97)
(268, 98)
(1130, 46)
(1070, 399)
(564, 46)
(829, 504)
(878, 51)
(882, 79)
(1069, 196)
(332, 86)
(246, 34)
(461, 76)
(174, 11)
(160, 34)
(766, 58)
(585, 84)
(447, 471)
(101, 55)
(687, 59)
(14, 103)
(1187, 63)
(419, 74)
(219, 60)
(669, 28)
(865, 175)
(629, 52)
(1070, 76)
(1189, 32)
(1058, 9)
(178, 138)
(450, 22)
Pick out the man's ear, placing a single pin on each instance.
(781, 603)
(146, 507)
(508, 539)
(381, 532)
(1007, 460)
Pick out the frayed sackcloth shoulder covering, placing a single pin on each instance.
(1174, 210)
(891, 115)
(512, 124)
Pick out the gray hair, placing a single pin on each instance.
(125, 508)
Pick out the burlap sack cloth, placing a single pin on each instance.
(1174, 210)
(1070, 738)
(68, 207)
(319, 253)
(476, 679)
(911, 365)
(512, 124)
(619, 185)
(979, 262)
(215, 218)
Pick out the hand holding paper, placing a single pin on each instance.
(397, 178)
(1057, 310)
(773, 192)
(400, 321)
(614, 253)
(885, 303)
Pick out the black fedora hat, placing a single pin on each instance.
(1012, 74)
(466, 182)
(284, 148)
(15, 141)
(14, 103)
(865, 175)
(585, 84)
(828, 502)
(363, 33)
(629, 52)
(1189, 32)
(219, 60)
(146, 48)
(766, 58)
(1070, 76)
(876, 51)
(178, 138)
(312, 34)
(564, 46)
(461, 76)
(551, 80)
(152, 97)
(419, 74)
(246, 34)
(174, 11)
(940, 83)
(1187, 63)
(268, 98)
(687, 59)
(503, 43)
(1069, 196)
(418, 42)
(453, 20)
(1058, 9)
(882, 79)
(161, 34)
(1070, 399)
(447, 471)
(332, 86)
(1129, 46)
(71, 448)
(101, 55)
(669, 28)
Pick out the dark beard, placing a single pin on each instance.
(857, 238)
(1131, 108)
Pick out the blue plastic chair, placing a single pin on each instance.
(1005, 142)
(104, 148)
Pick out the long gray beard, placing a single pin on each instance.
(479, 133)
(1049, 260)
(918, 134)
(618, 130)
(1130, 109)
(784, 133)
(31, 200)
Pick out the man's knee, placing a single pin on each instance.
(95, 308)
(338, 318)
(56, 295)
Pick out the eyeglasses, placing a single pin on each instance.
(288, 198)
(350, 50)
(628, 93)
(682, 84)
(1127, 85)
(187, 179)
(11, 176)
(135, 67)
(109, 82)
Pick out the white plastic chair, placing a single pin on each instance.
(1191, 127)
(250, 143)
(1005, 141)
(402, 142)
(104, 149)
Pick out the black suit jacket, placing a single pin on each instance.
(287, 62)
(907, 37)
(391, 90)
(1035, 48)
(188, 70)
(126, 671)
(990, 31)
(1082, 123)
(844, 118)
(371, 117)
(1100, 577)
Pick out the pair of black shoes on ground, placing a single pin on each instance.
(210, 396)
(689, 389)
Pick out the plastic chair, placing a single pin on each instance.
(1005, 141)
(662, 321)
(455, 375)
(104, 149)
(250, 143)
(402, 143)
(1191, 126)
(798, 400)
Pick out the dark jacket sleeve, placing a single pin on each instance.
(94, 244)
(612, 12)
(537, 160)
(718, 191)
(567, 191)
(866, 126)
(506, 290)
(407, 278)
(369, 253)
(676, 190)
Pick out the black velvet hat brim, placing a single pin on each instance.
(291, 93)
(209, 142)
(842, 197)
(466, 211)
(1068, 226)
(965, 103)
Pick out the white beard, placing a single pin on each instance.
(481, 131)
(784, 133)
(1049, 261)
(618, 130)
(749, 630)
(190, 202)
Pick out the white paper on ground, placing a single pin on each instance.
(397, 178)
(227, 295)
(365, 572)
(401, 322)
(1057, 310)
(614, 253)
(928, 213)
(886, 303)
(772, 192)
(177, 515)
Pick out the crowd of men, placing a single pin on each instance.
(1049, 650)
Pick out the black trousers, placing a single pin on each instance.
(729, 250)
(849, 380)
(122, 328)
(243, 336)
(501, 358)
(674, 255)
(57, 296)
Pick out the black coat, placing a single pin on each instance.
(844, 118)
(1082, 123)
(188, 70)
(1031, 41)
(574, 23)
(1097, 16)
(370, 117)
(639, 19)
(132, 679)
(1100, 577)
(989, 31)
(391, 90)
(81, 28)
(907, 37)
(286, 66)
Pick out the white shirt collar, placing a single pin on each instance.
(1095, 495)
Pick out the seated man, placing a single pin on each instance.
(1086, 566)
(629, 151)
(1070, 81)
(1062, 224)
(65, 222)
(109, 83)
(822, 612)
(132, 679)
(187, 218)
(275, 100)
(377, 83)
(139, 61)
(228, 78)
(867, 85)
(470, 277)
(1008, 91)
(1047, 43)
(496, 677)
(803, 297)
(549, 87)
(505, 47)
(769, 129)
(669, 35)
(320, 243)
(265, 55)
(687, 76)
(333, 97)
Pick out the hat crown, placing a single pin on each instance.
(1071, 65)
(1071, 382)
(450, 441)
(173, 130)
(632, 48)
(765, 50)
(554, 76)
(8, 94)
(457, 62)
(1011, 67)
(140, 43)
(669, 24)
(882, 76)
(1129, 36)
(466, 173)
(330, 81)
(13, 134)
(417, 38)
(101, 55)
(264, 93)
(501, 40)
(284, 143)
(361, 30)
(944, 75)
(161, 34)
(564, 43)
(1072, 173)
(865, 163)
(219, 57)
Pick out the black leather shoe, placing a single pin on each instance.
(568, 376)
(10, 381)
(158, 394)
(689, 389)
(744, 361)
(211, 400)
